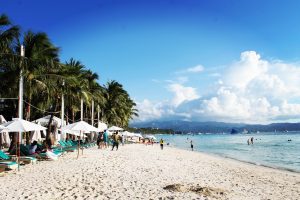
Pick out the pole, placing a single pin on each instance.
(98, 114)
(21, 86)
(62, 135)
(91, 135)
(81, 109)
(20, 111)
(92, 113)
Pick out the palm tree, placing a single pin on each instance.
(119, 108)
(41, 62)
(8, 34)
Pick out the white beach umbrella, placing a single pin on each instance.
(138, 135)
(81, 127)
(115, 128)
(2, 128)
(36, 135)
(128, 134)
(21, 125)
(150, 137)
(5, 136)
(102, 126)
(2, 119)
(45, 120)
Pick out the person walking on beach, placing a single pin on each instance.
(105, 139)
(192, 146)
(115, 138)
(161, 142)
(99, 140)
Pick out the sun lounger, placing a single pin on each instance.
(8, 165)
(25, 159)
(66, 146)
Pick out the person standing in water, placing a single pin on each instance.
(192, 146)
(161, 142)
(251, 140)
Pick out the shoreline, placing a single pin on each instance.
(282, 169)
(138, 171)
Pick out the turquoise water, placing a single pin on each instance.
(269, 149)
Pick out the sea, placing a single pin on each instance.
(276, 150)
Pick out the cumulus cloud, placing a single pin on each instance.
(252, 90)
(182, 93)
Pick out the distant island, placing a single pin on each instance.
(182, 127)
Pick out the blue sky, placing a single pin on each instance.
(149, 45)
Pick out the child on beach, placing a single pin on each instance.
(192, 146)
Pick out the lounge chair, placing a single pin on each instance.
(66, 146)
(8, 165)
(24, 159)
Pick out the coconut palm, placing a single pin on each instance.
(119, 107)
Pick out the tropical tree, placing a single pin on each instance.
(119, 107)
(46, 79)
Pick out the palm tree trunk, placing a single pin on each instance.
(49, 127)
(73, 115)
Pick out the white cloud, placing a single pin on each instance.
(196, 69)
(252, 90)
(149, 110)
(182, 93)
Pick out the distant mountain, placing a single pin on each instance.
(215, 127)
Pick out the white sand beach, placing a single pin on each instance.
(146, 172)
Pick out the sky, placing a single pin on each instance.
(194, 60)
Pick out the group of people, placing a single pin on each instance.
(35, 149)
(103, 140)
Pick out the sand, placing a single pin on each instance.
(146, 172)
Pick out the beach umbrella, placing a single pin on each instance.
(4, 135)
(138, 135)
(81, 127)
(115, 128)
(45, 120)
(150, 137)
(2, 128)
(102, 126)
(2, 119)
(128, 134)
(19, 125)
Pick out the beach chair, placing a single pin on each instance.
(8, 165)
(25, 159)
(66, 147)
